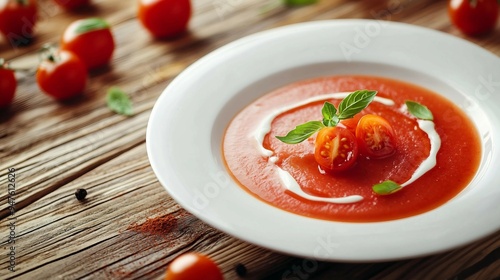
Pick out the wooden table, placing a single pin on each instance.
(58, 148)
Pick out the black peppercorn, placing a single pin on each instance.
(241, 270)
(80, 194)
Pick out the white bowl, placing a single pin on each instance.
(187, 125)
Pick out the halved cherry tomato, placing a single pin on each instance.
(474, 17)
(91, 40)
(8, 85)
(375, 136)
(72, 4)
(17, 21)
(164, 18)
(335, 149)
(62, 75)
(192, 266)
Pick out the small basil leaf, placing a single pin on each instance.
(328, 111)
(119, 102)
(420, 111)
(301, 132)
(355, 103)
(299, 2)
(331, 122)
(91, 24)
(387, 187)
(329, 114)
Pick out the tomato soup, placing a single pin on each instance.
(266, 167)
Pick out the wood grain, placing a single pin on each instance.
(57, 148)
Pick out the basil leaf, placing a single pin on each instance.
(355, 103)
(418, 110)
(91, 24)
(119, 102)
(387, 187)
(332, 122)
(328, 111)
(301, 132)
(299, 2)
(329, 115)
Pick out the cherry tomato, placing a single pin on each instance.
(8, 85)
(375, 136)
(17, 21)
(351, 123)
(192, 266)
(72, 4)
(474, 17)
(91, 40)
(62, 75)
(165, 18)
(335, 149)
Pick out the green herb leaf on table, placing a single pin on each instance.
(386, 188)
(348, 107)
(301, 132)
(299, 2)
(355, 103)
(119, 102)
(418, 110)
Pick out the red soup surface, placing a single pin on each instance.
(457, 160)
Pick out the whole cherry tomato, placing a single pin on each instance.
(474, 17)
(376, 138)
(72, 4)
(91, 40)
(8, 85)
(17, 21)
(61, 75)
(193, 266)
(335, 149)
(165, 18)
